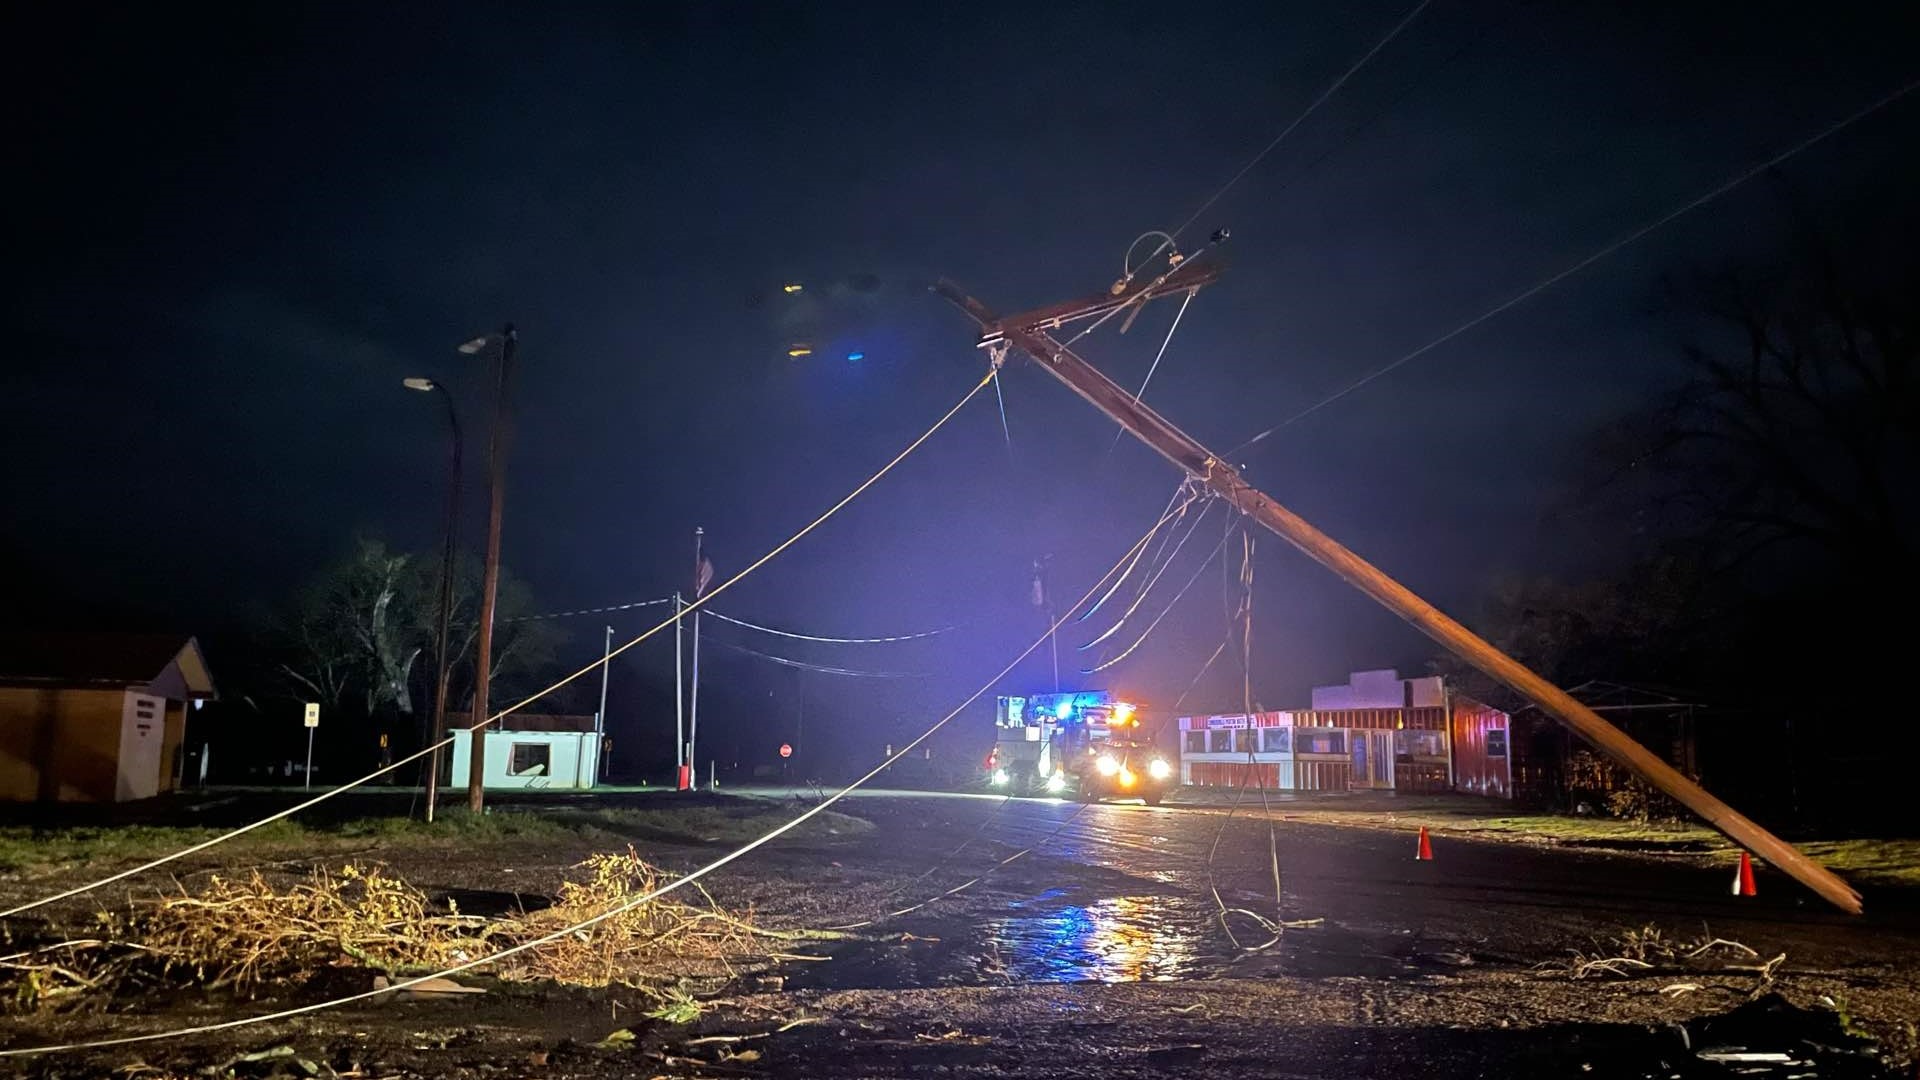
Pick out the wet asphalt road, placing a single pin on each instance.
(1498, 900)
(1100, 953)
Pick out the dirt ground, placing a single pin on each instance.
(1100, 954)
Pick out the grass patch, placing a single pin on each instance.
(1890, 862)
(1883, 862)
(31, 851)
(1568, 829)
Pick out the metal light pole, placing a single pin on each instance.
(507, 340)
(446, 589)
(679, 693)
(692, 772)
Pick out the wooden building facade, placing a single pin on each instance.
(95, 717)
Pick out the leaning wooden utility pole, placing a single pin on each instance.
(1029, 334)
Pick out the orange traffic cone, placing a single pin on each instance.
(1743, 878)
(1425, 852)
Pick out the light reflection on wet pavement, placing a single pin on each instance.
(1116, 939)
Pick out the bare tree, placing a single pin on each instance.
(1800, 422)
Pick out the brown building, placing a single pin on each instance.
(95, 717)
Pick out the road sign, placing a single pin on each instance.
(786, 750)
(313, 714)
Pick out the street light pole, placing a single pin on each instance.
(692, 772)
(606, 661)
(442, 629)
(490, 579)
(679, 693)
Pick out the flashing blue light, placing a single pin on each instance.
(856, 356)
(1063, 710)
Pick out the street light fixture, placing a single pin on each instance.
(446, 586)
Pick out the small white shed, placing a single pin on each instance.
(554, 753)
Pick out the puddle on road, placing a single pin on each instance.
(1118, 939)
(1050, 939)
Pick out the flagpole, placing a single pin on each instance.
(693, 699)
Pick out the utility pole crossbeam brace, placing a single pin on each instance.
(1206, 468)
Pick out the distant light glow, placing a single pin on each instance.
(856, 356)
(1000, 778)
(1107, 766)
(797, 351)
(1122, 712)
(1057, 782)
(791, 287)
(1159, 769)
(1063, 710)
(1126, 777)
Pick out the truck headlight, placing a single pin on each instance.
(1057, 782)
(1159, 769)
(1107, 766)
(1000, 778)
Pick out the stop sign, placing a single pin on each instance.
(786, 750)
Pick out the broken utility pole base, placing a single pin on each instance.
(1029, 333)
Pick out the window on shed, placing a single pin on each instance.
(530, 758)
(1196, 742)
(1496, 742)
(1277, 740)
(1220, 741)
(1246, 740)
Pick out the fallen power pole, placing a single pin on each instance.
(1029, 333)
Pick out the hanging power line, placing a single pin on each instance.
(1151, 580)
(1170, 517)
(1171, 604)
(591, 611)
(1554, 279)
(835, 640)
(1155, 366)
(824, 669)
(1332, 89)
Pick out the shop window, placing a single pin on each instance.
(1496, 742)
(1277, 740)
(1320, 741)
(1220, 741)
(530, 759)
(1428, 744)
(1196, 742)
(1246, 740)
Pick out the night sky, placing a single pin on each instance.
(235, 231)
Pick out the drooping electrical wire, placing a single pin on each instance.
(1171, 604)
(1554, 279)
(590, 611)
(242, 830)
(1155, 366)
(1170, 240)
(1313, 107)
(824, 669)
(1277, 924)
(1147, 587)
(1184, 488)
(628, 905)
(823, 639)
(1000, 397)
